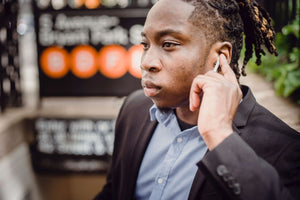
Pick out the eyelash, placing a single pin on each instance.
(169, 44)
(166, 45)
(145, 45)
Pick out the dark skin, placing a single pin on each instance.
(177, 71)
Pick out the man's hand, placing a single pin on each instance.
(217, 98)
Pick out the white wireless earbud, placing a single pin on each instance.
(217, 65)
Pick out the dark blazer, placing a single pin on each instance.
(261, 160)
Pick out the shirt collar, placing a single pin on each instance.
(168, 119)
(152, 112)
(162, 116)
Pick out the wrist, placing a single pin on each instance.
(213, 138)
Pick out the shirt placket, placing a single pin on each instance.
(172, 155)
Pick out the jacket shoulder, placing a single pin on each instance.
(135, 108)
(254, 117)
(268, 135)
(137, 101)
(265, 122)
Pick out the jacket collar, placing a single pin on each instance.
(245, 108)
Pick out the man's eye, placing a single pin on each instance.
(145, 45)
(169, 44)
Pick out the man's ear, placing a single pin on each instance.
(226, 49)
(218, 48)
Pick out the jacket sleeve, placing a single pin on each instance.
(242, 174)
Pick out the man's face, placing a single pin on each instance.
(174, 53)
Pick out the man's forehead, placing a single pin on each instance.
(170, 9)
(168, 16)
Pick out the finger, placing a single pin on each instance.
(195, 92)
(213, 74)
(226, 69)
(197, 88)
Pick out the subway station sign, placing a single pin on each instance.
(89, 48)
(72, 145)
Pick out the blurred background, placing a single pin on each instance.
(66, 67)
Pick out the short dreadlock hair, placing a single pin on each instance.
(227, 20)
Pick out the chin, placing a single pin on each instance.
(164, 109)
(168, 104)
(165, 105)
(161, 105)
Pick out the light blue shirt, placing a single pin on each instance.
(169, 165)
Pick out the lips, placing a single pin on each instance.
(150, 89)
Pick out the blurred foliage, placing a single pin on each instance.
(283, 70)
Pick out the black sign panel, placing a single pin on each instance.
(72, 145)
(89, 52)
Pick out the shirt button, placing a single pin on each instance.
(160, 180)
(179, 139)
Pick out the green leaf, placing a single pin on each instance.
(291, 83)
(294, 55)
(291, 29)
(279, 84)
(291, 66)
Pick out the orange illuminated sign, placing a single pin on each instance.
(134, 60)
(54, 62)
(92, 4)
(83, 59)
(113, 61)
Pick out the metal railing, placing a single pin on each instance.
(10, 90)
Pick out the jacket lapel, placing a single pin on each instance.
(139, 145)
(245, 108)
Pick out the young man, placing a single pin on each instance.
(205, 136)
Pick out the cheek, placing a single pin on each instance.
(182, 68)
(183, 71)
(183, 78)
(189, 70)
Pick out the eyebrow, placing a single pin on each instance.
(164, 33)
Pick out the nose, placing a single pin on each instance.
(150, 60)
